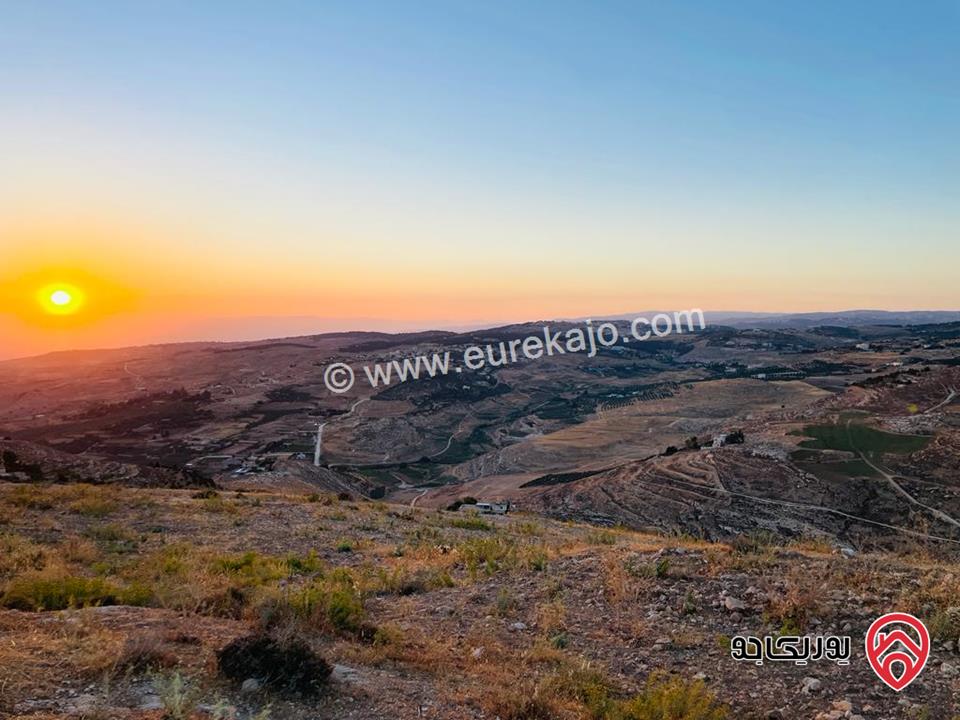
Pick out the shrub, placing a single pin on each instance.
(178, 698)
(332, 603)
(945, 624)
(17, 555)
(506, 603)
(513, 704)
(113, 538)
(92, 506)
(471, 523)
(289, 665)
(602, 537)
(659, 568)
(39, 592)
(489, 554)
(206, 494)
(401, 581)
(792, 607)
(671, 699)
(31, 498)
(304, 564)
(538, 561)
(344, 609)
(583, 684)
(754, 542)
(143, 652)
(253, 569)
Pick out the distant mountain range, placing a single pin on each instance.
(848, 318)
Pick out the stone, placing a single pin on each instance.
(344, 674)
(732, 603)
(250, 685)
(151, 702)
(811, 685)
(518, 627)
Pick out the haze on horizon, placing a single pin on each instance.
(193, 171)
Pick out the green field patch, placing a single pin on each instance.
(860, 438)
(841, 470)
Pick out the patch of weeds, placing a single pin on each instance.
(791, 608)
(538, 561)
(601, 537)
(304, 564)
(207, 494)
(506, 603)
(18, 555)
(331, 603)
(528, 528)
(671, 698)
(471, 523)
(253, 569)
(178, 697)
(402, 581)
(488, 555)
(755, 542)
(217, 504)
(113, 538)
(583, 684)
(344, 546)
(49, 592)
(658, 568)
(95, 507)
(29, 497)
(944, 624)
(142, 653)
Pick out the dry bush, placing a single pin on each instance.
(95, 506)
(53, 589)
(288, 664)
(792, 606)
(568, 691)
(671, 698)
(144, 652)
(19, 555)
(31, 497)
(78, 551)
(411, 647)
(936, 600)
(620, 583)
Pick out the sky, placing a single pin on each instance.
(248, 169)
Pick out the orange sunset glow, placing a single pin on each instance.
(328, 196)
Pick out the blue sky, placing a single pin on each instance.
(785, 147)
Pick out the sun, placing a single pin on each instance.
(60, 299)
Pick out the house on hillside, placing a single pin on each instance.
(489, 508)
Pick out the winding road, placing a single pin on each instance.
(890, 478)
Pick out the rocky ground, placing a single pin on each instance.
(119, 600)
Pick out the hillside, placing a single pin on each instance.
(432, 614)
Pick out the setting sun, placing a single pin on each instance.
(60, 299)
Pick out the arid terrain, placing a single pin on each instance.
(169, 548)
(424, 613)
